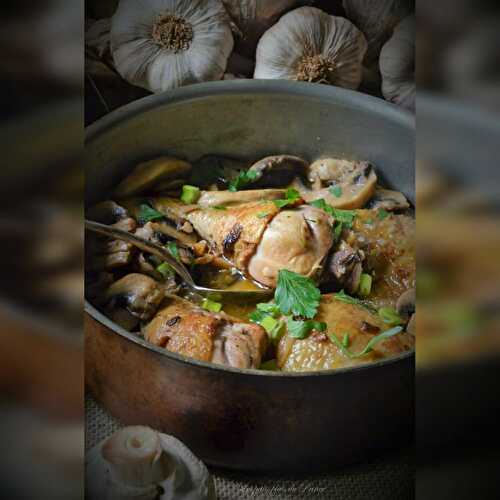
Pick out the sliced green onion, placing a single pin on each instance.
(345, 340)
(165, 269)
(211, 306)
(174, 250)
(190, 194)
(365, 285)
(268, 323)
(390, 316)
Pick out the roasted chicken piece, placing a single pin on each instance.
(186, 329)
(388, 245)
(259, 239)
(318, 352)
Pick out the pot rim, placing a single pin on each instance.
(351, 98)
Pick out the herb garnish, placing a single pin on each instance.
(343, 218)
(390, 316)
(219, 207)
(261, 215)
(369, 346)
(336, 191)
(383, 214)
(292, 196)
(148, 214)
(245, 177)
(296, 294)
(298, 329)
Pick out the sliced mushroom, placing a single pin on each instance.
(166, 229)
(108, 262)
(152, 173)
(388, 200)
(405, 306)
(139, 294)
(278, 170)
(106, 212)
(345, 265)
(229, 198)
(341, 183)
(411, 327)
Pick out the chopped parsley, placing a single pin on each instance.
(336, 191)
(243, 178)
(296, 294)
(298, 329)
(261, 215)
(369, 346)
(211, 306)
(291, 197)
(165, 269)
(383, 214)
(219, 207)
(147, 214)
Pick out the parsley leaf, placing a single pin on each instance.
(342, 217)
(300, 329)
(148, 214)
(243, 178)
(292, 195)
(343, 297)
(383, 214)
(261, 215)
(336, 191)
(369, 346)
(295, 294)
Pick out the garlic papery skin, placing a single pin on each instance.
(163, 44)
(252, 18)
(141, 464)
(310, 45)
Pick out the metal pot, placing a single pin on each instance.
(248, 419)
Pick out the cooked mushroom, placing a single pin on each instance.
(411, 327)
(187, 329)
(388, 200)
(139, 294)
(345, 266)
(341, 183)
(405, 306)
(106, 212)
(278, 170)
(152, 173)
(215, 171)
(228, 198)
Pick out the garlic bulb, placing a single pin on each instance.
(376, 19)
(252, 18)
(164, 44)
(140, 464)
(397, 65)
(309, 45)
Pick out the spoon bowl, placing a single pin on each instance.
(177, 266)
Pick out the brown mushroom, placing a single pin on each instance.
(139, 294)
(278, 170)
(341, 183)
(388, 200)
(405, 306)
(152, 174)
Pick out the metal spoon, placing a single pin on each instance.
(178, 267)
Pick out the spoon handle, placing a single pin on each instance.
(144, 245)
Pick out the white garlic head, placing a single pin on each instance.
(376, 19)
(309, 45)
(397, 65)
(252, 18)
(163, 44)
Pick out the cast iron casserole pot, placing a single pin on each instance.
(250, 419)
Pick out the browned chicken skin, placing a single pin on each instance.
(318, 352)
(186, 329)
